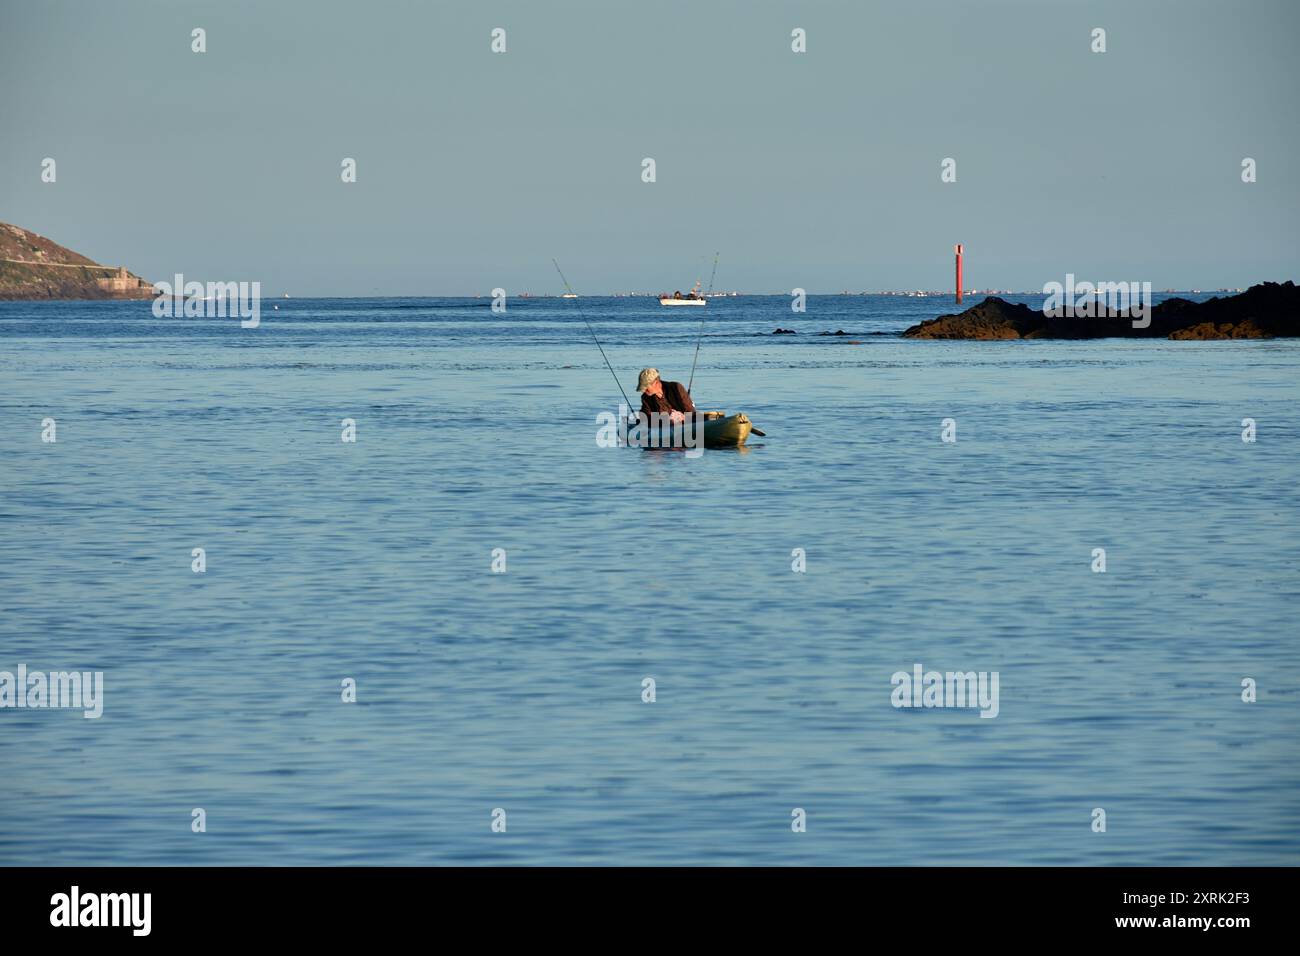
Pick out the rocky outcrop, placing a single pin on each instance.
(1262, 311)
(1268, 310)
(33, 267)
(994, 318)
(1249, 329)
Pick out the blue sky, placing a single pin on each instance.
(818, 170)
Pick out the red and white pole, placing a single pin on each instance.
(957, 249)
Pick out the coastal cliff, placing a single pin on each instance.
(33, 267)
(1268, 310)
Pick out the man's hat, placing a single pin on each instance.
(648, 376)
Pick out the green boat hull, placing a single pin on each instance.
(729, 431)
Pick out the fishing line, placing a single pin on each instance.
(701, 332)
(627, 401)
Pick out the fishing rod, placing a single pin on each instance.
(568, 288)
(626, 400)
(700, 335)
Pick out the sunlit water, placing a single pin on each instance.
(523, 690)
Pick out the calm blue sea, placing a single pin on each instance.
(522, 691)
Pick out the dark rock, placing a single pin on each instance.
(785, 332)
(1262, 311)
(1249, 329)
(994, 318)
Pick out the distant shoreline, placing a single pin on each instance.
(36, 269)
(544, 297)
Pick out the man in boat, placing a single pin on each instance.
(664, 398)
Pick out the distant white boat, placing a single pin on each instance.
(569, 295)
(691, 298)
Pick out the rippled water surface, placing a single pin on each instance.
(522, 691)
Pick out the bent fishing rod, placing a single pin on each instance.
(700, 335)
(626, 400)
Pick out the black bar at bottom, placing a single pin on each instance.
(306, 905)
